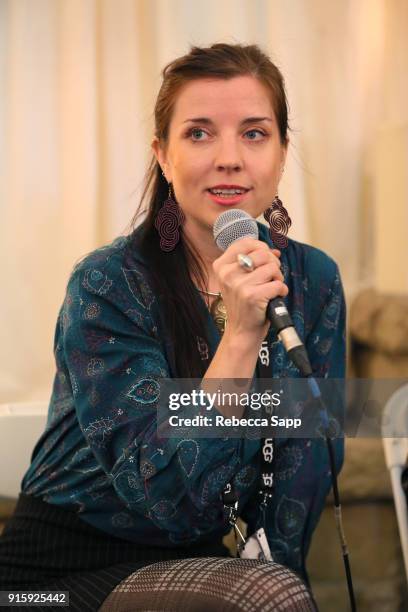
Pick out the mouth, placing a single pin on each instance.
(227, 197)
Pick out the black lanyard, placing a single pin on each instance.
(229, 496)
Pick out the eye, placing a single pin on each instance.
(255, 132)
(193, 132)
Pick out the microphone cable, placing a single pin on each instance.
(314, 387)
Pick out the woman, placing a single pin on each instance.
(105, 494)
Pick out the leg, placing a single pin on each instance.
(211, 584)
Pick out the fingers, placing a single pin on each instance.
(259, 252)
(262, 274)
(266, 264)
(267, 283)
(246, 294)
(262, 256)
(277, 288)
(262, 292)
(244, 246)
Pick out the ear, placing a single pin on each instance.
(285, 147)
(160, 155)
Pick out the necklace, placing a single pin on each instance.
(217, 310)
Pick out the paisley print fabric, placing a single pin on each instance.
(102, 454)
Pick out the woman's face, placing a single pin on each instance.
(223, 135)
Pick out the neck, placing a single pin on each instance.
(202, 240)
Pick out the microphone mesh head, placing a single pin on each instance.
(232, 225)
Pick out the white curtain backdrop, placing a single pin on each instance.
(78, 80)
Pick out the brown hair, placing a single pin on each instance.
(170, 271)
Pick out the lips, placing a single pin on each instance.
(228, 200)
(223, 186)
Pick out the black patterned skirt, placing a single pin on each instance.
(45, 547)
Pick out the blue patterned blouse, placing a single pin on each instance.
(101, 454)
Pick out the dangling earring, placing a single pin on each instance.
(279, 223)
(168, 221)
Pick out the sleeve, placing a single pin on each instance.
(116, 360)
(326, 346)
(302, 478)
(326, 343)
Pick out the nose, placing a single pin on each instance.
(228, 155)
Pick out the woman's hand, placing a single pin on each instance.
(247, 294)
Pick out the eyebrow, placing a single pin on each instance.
(208, 121)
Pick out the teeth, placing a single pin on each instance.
(227, 191)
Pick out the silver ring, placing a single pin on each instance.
(245, 262)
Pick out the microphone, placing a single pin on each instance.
(232, 225)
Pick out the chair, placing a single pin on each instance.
(20, 427)
(394, 424)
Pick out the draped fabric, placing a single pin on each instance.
(78, 80)
(109, 452)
